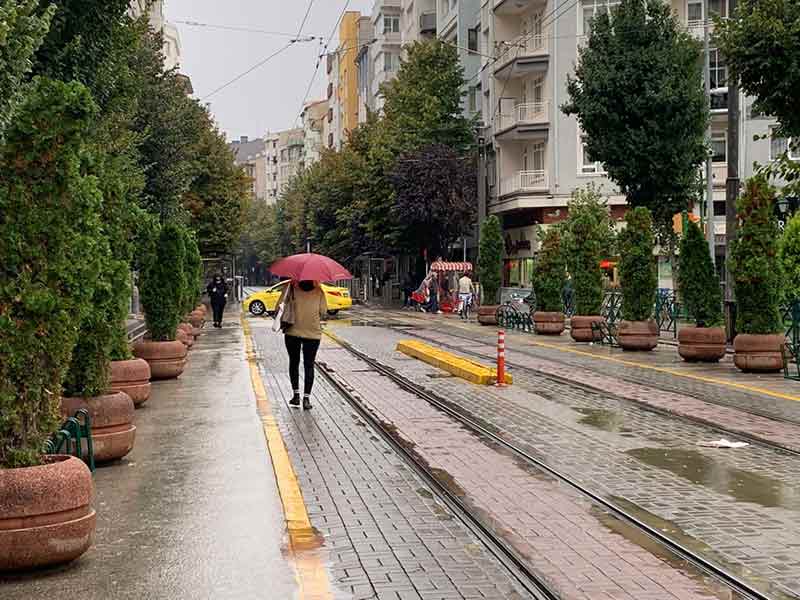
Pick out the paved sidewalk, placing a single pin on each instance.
(193, 512)
(385, 534)
(739, 508)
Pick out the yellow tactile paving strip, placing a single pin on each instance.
(312, 576)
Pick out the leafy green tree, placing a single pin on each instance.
(22, 30)
(638, 98)
(436, 196)
(637, 268)
(490, 258)
(162, 281)
(193, 270)
(698, 281)
(757, 277)
(423, 104)
(789, 254)
(588, 237)
(550, 274)
(49, 232)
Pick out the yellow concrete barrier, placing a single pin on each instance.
(455, 365)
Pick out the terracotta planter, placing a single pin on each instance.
(187, 339)
(166, 359)
(548, 323)
(638, 335)
(581, 328)
(701, 344)
(487, 314)
(113, 431)
(202, 309)
(131, 377)
(197, 318)
(759, 353)
(190, 329)
(46, 514)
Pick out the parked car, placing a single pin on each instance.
(266, 302)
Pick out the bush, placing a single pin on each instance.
(550, 273)
(162, 280)
(637, 268)
(49, 230)
(755, 266)
(789, 253)
(490, 259)
(588, 237)
(193, 271)
(697, 280)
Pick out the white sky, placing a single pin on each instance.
(270, 97)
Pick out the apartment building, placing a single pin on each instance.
(458, 24)
(313, 118)
(251, 155)
(536, 154)
(290, 153)
(172, 39)
(364, 68)
(271, 147)
(385, 50)
(419, 20)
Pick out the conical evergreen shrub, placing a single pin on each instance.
(490, 259)
(162, 281)
(637, 267)
(789, 254)
(755, 266)
(550, 273)
(697, 280)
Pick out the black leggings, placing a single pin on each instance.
(309, 348)
(219, 309)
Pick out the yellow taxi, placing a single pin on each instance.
(266, 302)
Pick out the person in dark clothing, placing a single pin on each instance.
(218, 294)
(408, 289)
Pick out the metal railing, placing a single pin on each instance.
(74, 437)
(526, 113)
(791, 357)
(526, 181)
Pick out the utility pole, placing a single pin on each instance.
(709, 216)
(731, 193)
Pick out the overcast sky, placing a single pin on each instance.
(270, 97)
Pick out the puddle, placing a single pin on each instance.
(676, 534)
(701, 469)
(602, 418)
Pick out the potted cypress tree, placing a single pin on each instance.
(548, 284)
(588, 237)
(193, 273)
(162, 294)
(49, 228)
(490, 269)
(789, 254)
(702, 297)
(637, 270)
(757, 281)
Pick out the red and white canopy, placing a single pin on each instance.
(451, 266)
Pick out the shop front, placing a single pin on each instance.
(518, 263)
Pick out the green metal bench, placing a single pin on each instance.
(69, 439)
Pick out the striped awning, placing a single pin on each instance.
(451, 266)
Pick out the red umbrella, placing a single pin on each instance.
(314, 267)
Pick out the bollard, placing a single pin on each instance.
(501, 358)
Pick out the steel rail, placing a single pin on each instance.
(729, 579)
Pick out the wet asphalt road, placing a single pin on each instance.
(193, 512)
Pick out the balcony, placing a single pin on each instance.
(523, 182)
(515, 7)
(427, 23)
(522, 56)
(719, 174)
(526, 121)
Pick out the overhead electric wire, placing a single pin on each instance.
(243, 29)
(305, 18)
(250, 70)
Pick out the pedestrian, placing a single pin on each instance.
(408, 289)
(303, 335)
(466, 294)
(433, 294)
(218, 294)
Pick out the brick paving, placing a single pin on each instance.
(386, 535)
(739, 508)
(580, 550)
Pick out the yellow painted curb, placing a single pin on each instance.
(446, 361)
(630, 363)
(304, 540)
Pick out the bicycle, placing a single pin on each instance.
(465, 304)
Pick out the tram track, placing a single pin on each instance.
(516, 564)
(394, 324)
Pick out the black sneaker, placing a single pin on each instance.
(295, 401)
(307, 403)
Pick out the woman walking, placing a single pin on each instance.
(303, 335)
(218, 294)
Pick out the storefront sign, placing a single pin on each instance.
(519, 242)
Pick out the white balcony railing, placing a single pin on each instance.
(525, 181)
(523, 45)
(528, 113)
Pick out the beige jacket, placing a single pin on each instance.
(308, 309)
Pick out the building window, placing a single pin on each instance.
(472, 103)
(472, 40)
(391, 25)
(717, 70)
(694, 13)
(780, 145)
(391, 62)
(592, 8)
(588, 165)
(719, 147)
